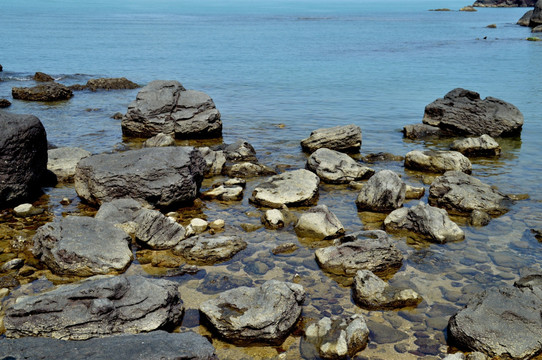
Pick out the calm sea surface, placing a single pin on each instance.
(305, 64)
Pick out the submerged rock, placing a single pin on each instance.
(337, 338)
(97, 307)
(23, 145)
(364, 250)
(82, 246)
(293, 188)
(155, 345)
(159, 140)
(210, 249)
(159, 176)
(264, 314)
(437, 161)
(463, 112)
(413, 192)
(484, 145)
(337, 168)
(62, 161)
(319, 223)
(383, 192)
(461, 194)
(167, 107)
(345, 138)
(50, 91)
(372, 293)
(426, 222)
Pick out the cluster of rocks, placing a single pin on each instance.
(533, 18)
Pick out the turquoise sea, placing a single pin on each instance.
(278, 69)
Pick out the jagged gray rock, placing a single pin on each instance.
(293, 188)
(263, 314)
(319, 223)
(167, 107)
(155, 345)
(210, 249)
(424, 221)
(23, 146)
(437, 161)
(383, 192)
(463, 112)
(62, 161)
(372, 293)
(364, 250)
(461, 194)
(345, 138)
(484, 145)
(97, 307)
(239, 151)
(337, 168)
(156, 230)
(159, 176)
(214, 161)
(82, 246)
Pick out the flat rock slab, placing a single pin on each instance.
(424, 221)
(97, 307)
(484, 145)
(50, 91)
(265, 314)
(345, 138)
(437, 161)
(461, 194)
(364, 250)
(62, 161)
(161, 177)
(335, 167)
(210, 249)
(383, 192)
(500, 322)
(82, 246)
(23, 146)
(463, 112)
(293, 188)
(155, 345)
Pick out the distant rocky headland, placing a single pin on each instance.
(504, 3)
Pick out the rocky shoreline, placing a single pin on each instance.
(141, 206)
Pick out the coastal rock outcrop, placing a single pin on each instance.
(345, 138)
(292, 188)
(106, 84)
(82, 246)
(49, 91)
(424, 221)
(463, 112)
(504, 3)
(167, 107)
(461, 194)
(372, 293)
(62, 161)
(484, 145)
(23, 147)
(365, 250)
(437, 161)
(500, 322)
(383, 192)
(159, 176)
(337, 338)
(264, 314)
(536, 18)
(337, 168)
(319, 223)
(210, 249)
(155, 345)
(525, 20)
(97, 307)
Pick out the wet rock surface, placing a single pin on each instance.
(345, 138)
(159, 176)
(82, 246)
(337, 168)
(421, 131)
(264, 314)
(383, 192)
(293, 188)
(159, 140)
(460, 193)
(484, 145)
(157, 231)
(155, 345)
(319, 223)
(95, 308)
(364, 250)
(49, 91)
(437, 161)
(62, 161)
(23, 145)
(209, 249)
(425, 221)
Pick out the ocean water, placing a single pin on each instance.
(305, 64)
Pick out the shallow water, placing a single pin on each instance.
(304, 64)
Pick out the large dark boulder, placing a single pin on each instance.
(49, 91)
(536, 18)
(156, 345)
(23, 155)
(159, 176)
(525, 20)
(97, 307)
(504, 3)
(462, 112)
(167, 107)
